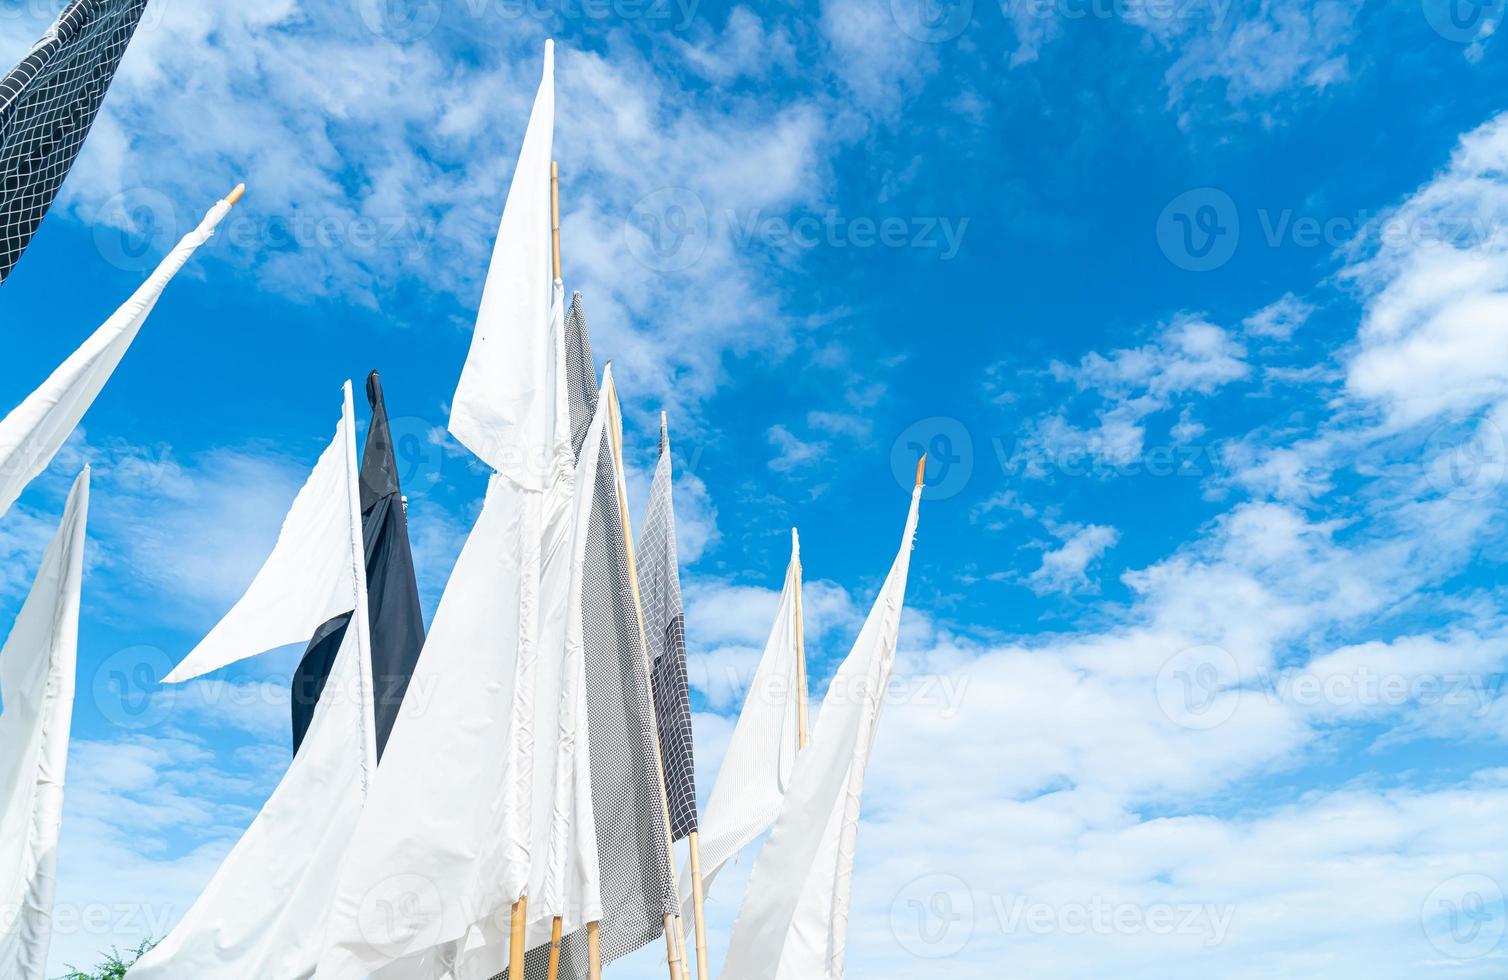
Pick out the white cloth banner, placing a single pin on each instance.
(37, 667)
(306, 581)
(793, 923)
(32, 434)
(501, 410)
(565, 879)
(264, 913)
(762, 753)
(441, 848)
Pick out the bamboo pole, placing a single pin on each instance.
(803, 730)
(516, 938)
(699, 906)
(555, 930)
(555, 216)
(615, 415)
(594, 950)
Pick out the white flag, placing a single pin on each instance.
(756, 770)
(37, 668)
(32, 434)
(501, 410)
(794, 921)
(264, 913)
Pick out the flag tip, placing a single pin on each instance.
(234, 196)
(921, 470)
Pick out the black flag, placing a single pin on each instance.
(47, 105)
(392, 592)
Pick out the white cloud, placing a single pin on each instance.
(1064, 569)
(1190, 356)
(793, 452)
(1249, 55)
(1279, 320)
(1434, 338)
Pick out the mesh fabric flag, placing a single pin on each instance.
(47, 105)
(665, 626)
(392, 592)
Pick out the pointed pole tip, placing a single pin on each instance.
(235, 196)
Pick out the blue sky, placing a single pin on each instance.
(1200, 302)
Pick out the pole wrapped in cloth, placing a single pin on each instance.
(392, 592)
(447, 849)
(37, 669)
(665, 626)
(794, 920)
(32, 434)
(264, 912)
(756, 770)
(633, 847)
(47, 105)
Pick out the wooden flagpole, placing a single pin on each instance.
(557, 925)
(518, 934)
(673, 939)
(803, 732)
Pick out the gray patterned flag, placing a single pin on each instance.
(47, 105)
(638, 881)
(660, 588)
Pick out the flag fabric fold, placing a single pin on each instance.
(393, 608)
(48, 103)
(756, 769)
(32, 434)
(264, 912)
(500, 411)
(794, 920)
(665, 628)
(37, 669)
